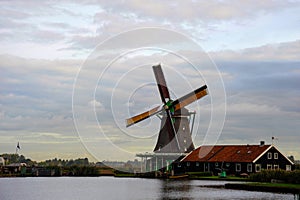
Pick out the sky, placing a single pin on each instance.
(71, 72)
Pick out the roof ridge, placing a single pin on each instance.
(221, 145)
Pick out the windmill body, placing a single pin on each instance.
(167, 143)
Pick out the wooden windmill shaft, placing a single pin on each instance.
(174, 135)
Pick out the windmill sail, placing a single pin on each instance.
(175, 134)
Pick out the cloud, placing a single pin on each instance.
(97, 105)
(72, 28)
(195, 10)
(285, 51)
(255, 46)
(38, 99)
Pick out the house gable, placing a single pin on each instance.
(273, 159)
(274, 150)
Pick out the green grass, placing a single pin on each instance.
(230, 178)
(125, 175)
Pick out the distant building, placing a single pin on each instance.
(234, 159)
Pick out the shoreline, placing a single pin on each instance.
(265, 187)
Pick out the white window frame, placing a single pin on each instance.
(238, 165)
(269, 155)
(269, 167)
(197, 164)
(249, 167)
(288, 167)
(275, 155)
(276, 167)
(206, 167)
(188, 164)
(257, 167)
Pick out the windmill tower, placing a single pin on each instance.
(175, 136)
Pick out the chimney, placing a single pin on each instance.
(262, 143)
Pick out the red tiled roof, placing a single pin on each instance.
(226, 153)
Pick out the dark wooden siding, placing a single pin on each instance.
(281, 161)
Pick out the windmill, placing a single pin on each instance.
(175, 133)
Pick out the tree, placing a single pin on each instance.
(291, 157)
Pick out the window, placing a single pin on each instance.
(238, 167)
(275, 155)
(179, 165)
(276, 166)
(227, 164)
(269, 167)
(188, 164)
(197, 164)
(288, 167)
(216, 164)
(269, 155)
(249, 167)
(258, 167)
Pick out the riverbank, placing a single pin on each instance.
(266, 187)
(244, 183)
(181, 176)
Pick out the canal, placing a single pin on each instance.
(85, 188)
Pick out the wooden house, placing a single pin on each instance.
(234, 159)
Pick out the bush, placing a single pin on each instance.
(82, 170)
(268, 175)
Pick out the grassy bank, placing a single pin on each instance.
(209, 176)
(217, 178)
(281, 175)
(266, 187)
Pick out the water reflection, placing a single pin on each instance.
(174, 189)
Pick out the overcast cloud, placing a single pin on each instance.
(44, 44)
